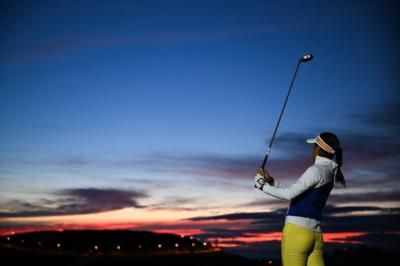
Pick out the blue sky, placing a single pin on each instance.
(165, 108)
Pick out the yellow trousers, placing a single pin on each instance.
(301, 246)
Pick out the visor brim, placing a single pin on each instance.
(311, 141)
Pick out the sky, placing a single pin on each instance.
(154, 115)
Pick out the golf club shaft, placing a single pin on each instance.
(280, 117)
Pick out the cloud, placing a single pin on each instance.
(75, 201)
(75, 161)
(345, 196)
(376, 196)
(214, 165)
(240, 216)
(257, 222)
(383, 124)
(384, 116)
(7, 227)
(363, 223)
(335, 219)
(387, 241)
(177, 204)
(367, 149)
(373, 151)
(219, 166)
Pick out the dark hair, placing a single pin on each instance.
(333, 141)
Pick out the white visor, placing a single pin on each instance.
(311, 141)
(322, 144)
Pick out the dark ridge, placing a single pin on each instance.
(116, 247)
(107, 242)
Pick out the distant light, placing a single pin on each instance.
(159, 246)
(13, 233)
(96, 247)
(193, 244)
(182, 236)
(191, 237)
(270, 262)
(8, 238)
(58, 245)
(205, 244)
(22, 241)
(39, 243)
(176, 245)
(140, 246)
(119, 247)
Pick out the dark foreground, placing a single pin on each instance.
(18, 257)
(115, 247)
(119, 248)
(363, 256)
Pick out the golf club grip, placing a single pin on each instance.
(264, 163)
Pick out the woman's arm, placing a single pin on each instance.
(267, 178)
(309, 179)
(280, 185)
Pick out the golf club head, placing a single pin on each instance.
(306, 58)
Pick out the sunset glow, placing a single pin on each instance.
(253, 238)
(343, 237)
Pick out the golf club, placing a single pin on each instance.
(303, 59)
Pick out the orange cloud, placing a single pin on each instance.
(343, 238)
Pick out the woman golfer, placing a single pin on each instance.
(302, 243)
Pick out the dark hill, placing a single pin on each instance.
(108, 242)
(113, 248)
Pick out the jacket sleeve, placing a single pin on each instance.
(280, 185)
(309, 179)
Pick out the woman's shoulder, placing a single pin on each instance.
(313, 169)
(317, 173)
(322, 173)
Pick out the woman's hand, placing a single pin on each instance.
(267, 177)
(259, 181)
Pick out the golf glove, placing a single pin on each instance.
(259, 181)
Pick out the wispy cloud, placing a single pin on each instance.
(386, 241)
(367, 196)
(345, 196)
(336, 219)
(75, 201)
(374, 150)
(382, 116)
(175, 203)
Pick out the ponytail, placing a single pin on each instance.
(339, 160)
